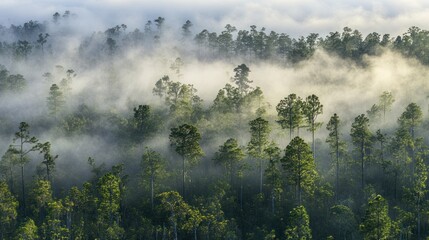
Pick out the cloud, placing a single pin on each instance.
(293, 17)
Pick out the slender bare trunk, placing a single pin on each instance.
(313, 143)
(273, 201)
(183, 176)
(299, 178)
(337, 181)
(151, 190)
(23, 190)
(418, 218)
(260, 174)
(362, 164)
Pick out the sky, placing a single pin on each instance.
(294, 17)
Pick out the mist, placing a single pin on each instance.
(103, 62)
(118, 83)
(294, 17)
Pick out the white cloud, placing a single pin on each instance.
(296, 17)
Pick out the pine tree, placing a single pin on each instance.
(299, 225)
(298, 162)
(259, 130)
(376, 222)
(361, 138)
(185, 139)
(55, 100)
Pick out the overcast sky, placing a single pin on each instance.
(295, 17)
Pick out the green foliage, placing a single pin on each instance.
(241, 79)
(48, 159)
(302, 48)
(290, 113)
(361, 136)
(8, 209)
(298, 162)
(411, 118)
(393, 160)
(52, 227)
(174, 208)
(412, 44)
(227, 100)
(360, 132)
(27, 230)
(41, 196)
(26, 144)
(404, 224)
(7, 165)
(214, 225)
(298, 227)
(374, 113)
(273, 174)
(336, 146)
(334, 135)
(342, 221)
(13, 83)
(386, 100)
(259, 133)
(79, 121)
(110, 197)
(230, 155)
(185, 139)
(376, 222)
(180, 98)
(42, 40)
(141, 117)
(55, 100)
(153, 166)
(22, 49)
(311, 109)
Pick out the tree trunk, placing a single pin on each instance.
(151, 190)
(22, 177)
(260, 174)
(174, 228)
(313, 143)
(299, 178)
(290, 125)
(260, 159)
(337, 153)
(418, 218)
(23, 190)
(183, 176)
(413, 161)
(362, 164)
(48, 173)
(396, 185)
(163, 231)
(241, 193)
(273, 201)
(11, 182)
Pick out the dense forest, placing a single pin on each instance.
(170, 132)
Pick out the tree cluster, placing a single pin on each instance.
(233, 168)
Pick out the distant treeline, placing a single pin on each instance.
(254, 44)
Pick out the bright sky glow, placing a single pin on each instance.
(295, 17)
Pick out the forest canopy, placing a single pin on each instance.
(178, 133)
